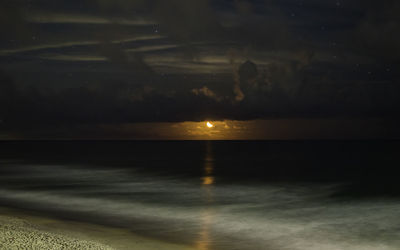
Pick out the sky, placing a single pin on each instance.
(159, 69)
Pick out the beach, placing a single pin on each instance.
(196, 195)
(20, 230)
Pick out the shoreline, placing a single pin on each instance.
(29, 229)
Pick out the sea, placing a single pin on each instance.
(269, 195)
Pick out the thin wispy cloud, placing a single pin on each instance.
(76, 44)
(70, 18)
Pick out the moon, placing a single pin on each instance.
(209, 125)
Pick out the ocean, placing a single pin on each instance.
(268, 195)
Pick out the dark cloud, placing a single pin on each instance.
(14, 29)
(125, 103)
(377, 33)
(248, 75)
(108, 62)
(8, 93)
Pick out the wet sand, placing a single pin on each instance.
(21, 230)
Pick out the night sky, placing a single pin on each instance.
(159, 69)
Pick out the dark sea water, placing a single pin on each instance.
(216, 194)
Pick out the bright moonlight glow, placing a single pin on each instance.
(209, 125)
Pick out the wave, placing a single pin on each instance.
(216, 216)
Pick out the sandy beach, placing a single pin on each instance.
(19, 230)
